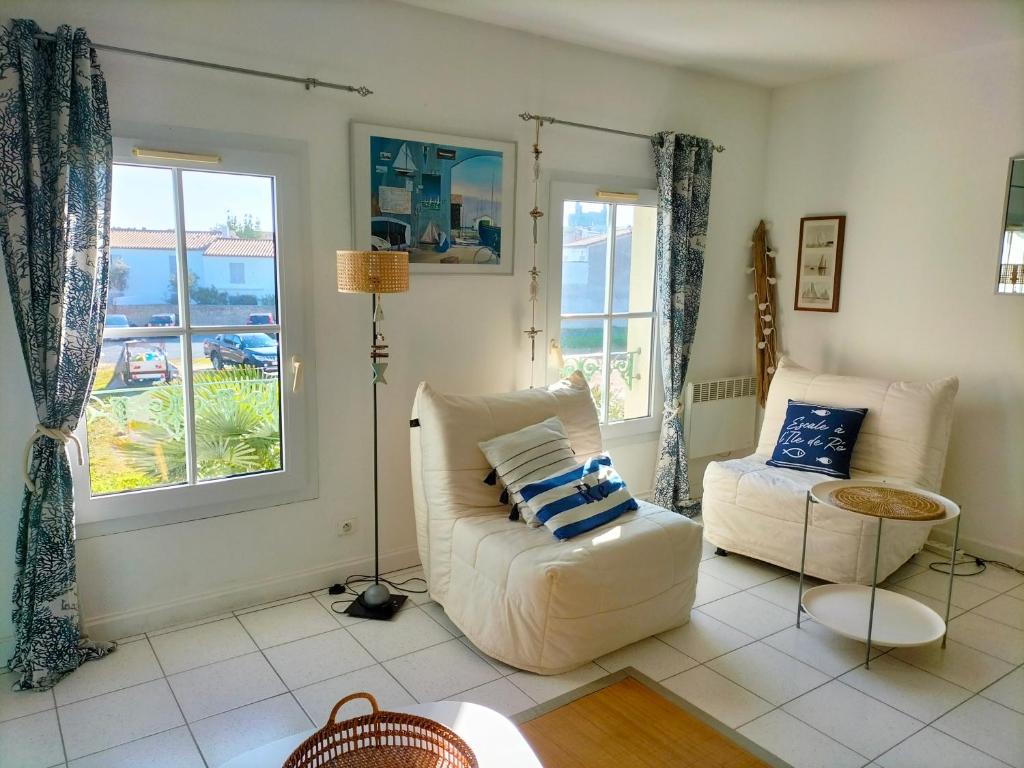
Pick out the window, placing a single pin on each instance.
(603, 301)
(193, 411)
(1011, 257)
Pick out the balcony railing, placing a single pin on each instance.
(623, 363)
(1011, 278)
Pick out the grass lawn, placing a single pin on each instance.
(104, 373)
(108, 470)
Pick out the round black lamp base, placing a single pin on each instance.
(361, 608)
(375, 596)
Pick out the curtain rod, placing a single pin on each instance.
(308, 82)
(554, 120)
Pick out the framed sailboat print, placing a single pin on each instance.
(447, 200)
(819, 263)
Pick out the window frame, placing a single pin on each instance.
(1006, 236)
(562, 191)
(297, 479)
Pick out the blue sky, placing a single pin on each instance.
(144, 197)
(623, 216)
(474, 176)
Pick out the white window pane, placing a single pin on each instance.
(629, 384)
(143, 267)
(232, 249)
(237, 393)
(584, 256)
(135, 418)
(583, 350)
(1011, 273)
(635, 228)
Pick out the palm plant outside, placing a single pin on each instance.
(140, 438)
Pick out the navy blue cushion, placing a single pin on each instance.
(818, 438)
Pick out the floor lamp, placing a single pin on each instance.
(375, 273)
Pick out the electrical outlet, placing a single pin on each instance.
(345, 527)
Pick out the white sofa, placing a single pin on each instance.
(518, 593)
(757, 510)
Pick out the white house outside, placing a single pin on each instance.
(224, 271)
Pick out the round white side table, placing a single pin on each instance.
(889, 618)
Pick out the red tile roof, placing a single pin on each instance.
(158, 239)
(240, 246)
(210, 243)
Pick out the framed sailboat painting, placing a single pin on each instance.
(819, 263)
(447, 200)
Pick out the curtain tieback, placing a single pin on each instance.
(61, 436)
(671, 409)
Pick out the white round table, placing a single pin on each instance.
(494, 739)
(868, 613)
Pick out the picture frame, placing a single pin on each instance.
(448, 200)
(819, 264)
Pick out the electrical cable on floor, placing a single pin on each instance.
(942, 566)
(1001, 564)
(980, 563)
(355, 579)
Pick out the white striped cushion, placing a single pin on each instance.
(579, 500)
(528, 454)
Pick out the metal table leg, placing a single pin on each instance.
(803, 559)
(952, 569)
(874, 586)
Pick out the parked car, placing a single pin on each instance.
(163, 319)
(260, 318)
(144, 361)
(257, 350)
(116, 321)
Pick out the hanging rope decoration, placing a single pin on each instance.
(535, 213)
(764, 298)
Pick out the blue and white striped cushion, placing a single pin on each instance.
(579, 500)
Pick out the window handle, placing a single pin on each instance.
(555, 355)
(296, 373)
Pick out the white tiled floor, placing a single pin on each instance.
(194, 696)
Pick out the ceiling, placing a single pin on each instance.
(767, 42)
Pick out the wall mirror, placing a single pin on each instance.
(1011, 253)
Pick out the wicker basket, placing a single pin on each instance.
(382, 740)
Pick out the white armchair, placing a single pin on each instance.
(757, 510)
(518, 593)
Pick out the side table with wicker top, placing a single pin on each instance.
(889, 618)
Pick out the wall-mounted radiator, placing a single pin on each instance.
(719, 416)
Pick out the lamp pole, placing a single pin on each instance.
(376, 470)
(377, 594)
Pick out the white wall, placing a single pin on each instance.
(432, 72)
(916, 156)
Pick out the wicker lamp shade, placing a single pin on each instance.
(373, 271)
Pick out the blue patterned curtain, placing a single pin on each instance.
(683, 167)
(55, 168)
